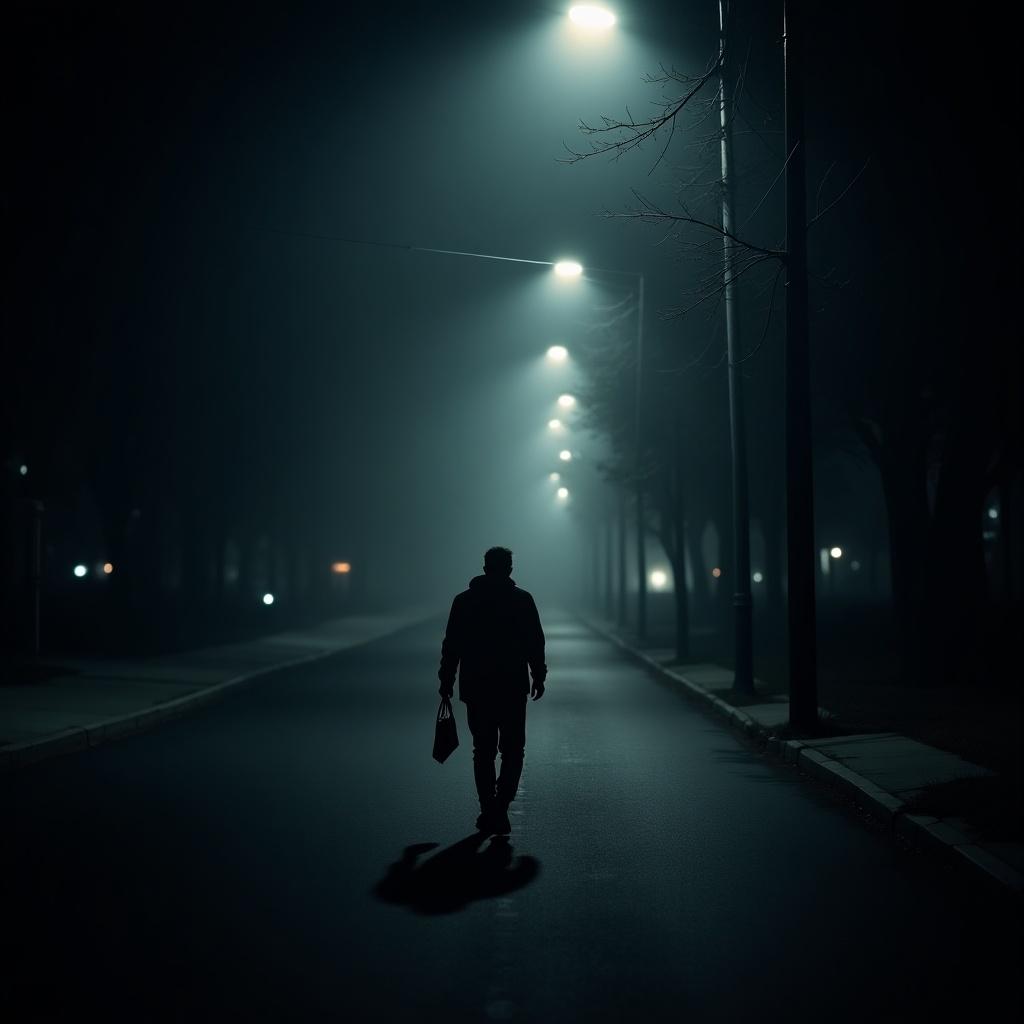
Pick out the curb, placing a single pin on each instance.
(923, 832)
(18, 755)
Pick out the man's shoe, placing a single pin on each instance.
(493, 820)
(500, 825)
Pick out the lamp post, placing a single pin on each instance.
(743, 672)
(803, 683)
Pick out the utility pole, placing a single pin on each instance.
(803, 682)
(641, 531)
(743, 676)
(622, 557)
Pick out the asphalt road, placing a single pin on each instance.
(293, 853)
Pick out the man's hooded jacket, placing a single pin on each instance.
(493, 636)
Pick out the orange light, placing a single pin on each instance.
(716, 572)
(341, 568)
(108, 568)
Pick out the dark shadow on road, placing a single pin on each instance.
(452, 879)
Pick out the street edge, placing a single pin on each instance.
(921, 831)
(70, 741)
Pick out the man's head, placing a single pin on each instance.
(498, 562)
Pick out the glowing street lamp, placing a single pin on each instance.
(836, 552)
(565, 455)
(555, 424)
(563, 493)
(554, 477)
(341, 568)
(80, 571)
(268, 599)
(566, 401)
(659, 579)
(568, 269)
(108, 568)
(591, 16)
(558, 353)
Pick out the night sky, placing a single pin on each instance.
(177, 330)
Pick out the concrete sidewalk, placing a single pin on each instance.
(88, 701)
(880, 771)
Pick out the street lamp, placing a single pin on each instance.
(563, 493)
(554, 477)
(566, 401)
(591, 16)
(568, 269)
(558, 354)
(565, 455)
(555, 425)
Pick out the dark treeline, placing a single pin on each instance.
(915, 373)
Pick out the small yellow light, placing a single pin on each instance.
(108, 568)
(341, 568)
(716, 572)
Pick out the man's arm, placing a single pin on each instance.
(535, 650)
(451, 652)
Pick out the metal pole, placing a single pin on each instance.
(743, 677)
(37, 572)
(622, 556)
(641, 554)
(800, 553)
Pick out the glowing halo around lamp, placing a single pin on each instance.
(591, 16)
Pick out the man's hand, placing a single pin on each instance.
(537, 690)
(446, 690)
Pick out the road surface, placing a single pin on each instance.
(293, 853)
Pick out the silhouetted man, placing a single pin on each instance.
(493, 636)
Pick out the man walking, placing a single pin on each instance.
(493, 636)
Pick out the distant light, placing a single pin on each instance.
(993, 513)
(108, 568)
(23, 470)
(659, 578)
(590, 16)
(566, 401)
(554, 477)
(855, 565)
(568, 268)
(565, 455)
(268, 598)
(563, 493)
(836, 552)
(716, 572)
(80, 571)
(558, 353)
(341, 568)
(555, 424)
(758, 577)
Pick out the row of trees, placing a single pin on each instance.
(913, 367)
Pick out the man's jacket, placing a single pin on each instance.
(493, 635)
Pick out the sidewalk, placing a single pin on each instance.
(83, 702)
(883, 772)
